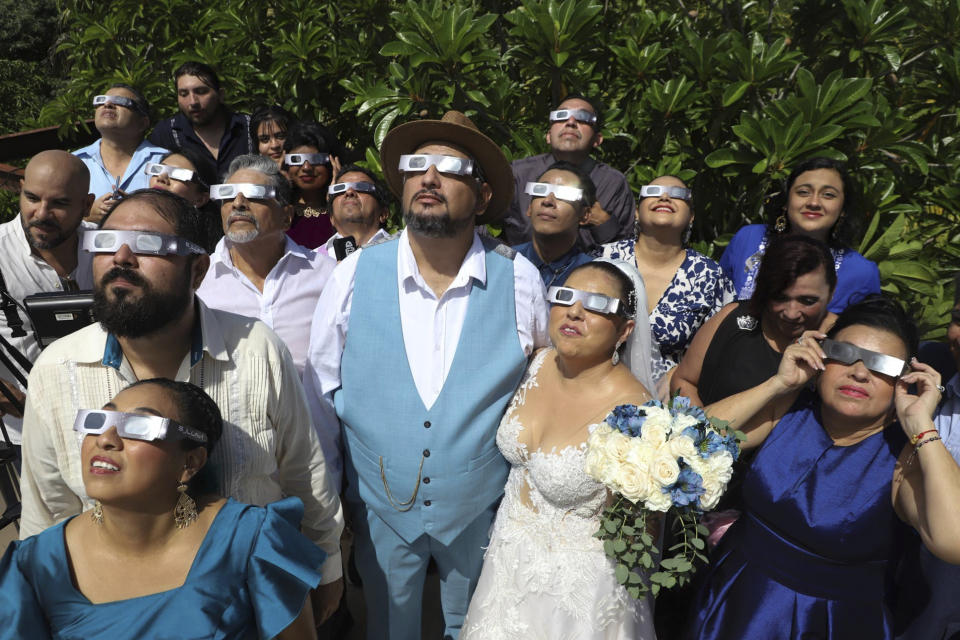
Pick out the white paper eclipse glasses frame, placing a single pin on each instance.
(175, 173)
(134, 425)
(249, 191)
(298, 159)
(656, 190)
(560, 191)
(847, 353)
(580, 115)
(120, 101)
(140, 242)
(595, 302)
(419, 162)
(342, 187)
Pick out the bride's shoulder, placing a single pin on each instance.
(632, 390)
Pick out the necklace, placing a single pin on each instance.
(311, 212)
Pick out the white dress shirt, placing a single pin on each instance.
(25, 274)
(431, 329)
(268, 449)
(289, 296)
(381, 234)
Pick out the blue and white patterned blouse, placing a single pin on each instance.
(697, 291)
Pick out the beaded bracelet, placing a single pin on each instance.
(923, 442)
(915, 439)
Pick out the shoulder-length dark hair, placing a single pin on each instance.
(786, 259)
(847, 228)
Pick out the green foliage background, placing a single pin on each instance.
(729, 94)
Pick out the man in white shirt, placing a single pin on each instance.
(147, 265)
(419, 343)
(359, 206)
(40, 253)
(117, 159)
(256, 269)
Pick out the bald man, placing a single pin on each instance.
(40, 251)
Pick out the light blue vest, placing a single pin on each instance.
(426, 471)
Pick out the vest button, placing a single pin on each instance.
(427, 424)
(426, 503)
(426, 481)
(426, 453)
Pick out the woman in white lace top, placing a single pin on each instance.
(545, 575)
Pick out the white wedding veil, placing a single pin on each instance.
(638, 353)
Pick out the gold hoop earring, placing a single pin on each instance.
(185, 512)
(781, 224)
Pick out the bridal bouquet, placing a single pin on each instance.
(659, 459)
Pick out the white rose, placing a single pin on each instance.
(711, 494)
(657, 500)
(683, 421)
(664, 468)
(641, 453)
(596, 465)
(631, 482)
(654, 432)
(683, 447)
(617, 445)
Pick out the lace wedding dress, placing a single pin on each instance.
(545, 575)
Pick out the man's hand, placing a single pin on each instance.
(326, 600)
(103, 204)
(595, 215)
(6, 407)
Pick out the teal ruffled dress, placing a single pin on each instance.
(250, 578)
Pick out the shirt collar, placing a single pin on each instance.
(328, 245)
(473, 267)
(222, 260)
(206, 336)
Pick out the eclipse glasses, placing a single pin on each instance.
(134, 425)
(560, 192)
(249, 191)
(174, 173)
(596, 302)
(140, 242)
(655, 190)
(580, 115)
(849, 354)
(342, 187)
(297, 159)
(120, 101)
(416, 163)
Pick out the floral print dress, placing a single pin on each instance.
(698, 290)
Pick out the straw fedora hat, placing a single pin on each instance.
(457, 129)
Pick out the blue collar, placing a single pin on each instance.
(113, 354)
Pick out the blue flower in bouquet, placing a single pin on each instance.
(628, 419)
(682, 404)
(687, 489)
(708, 442)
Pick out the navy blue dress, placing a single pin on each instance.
(808, 558)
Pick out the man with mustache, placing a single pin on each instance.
(418, 343)
(575, 131)
(256, 269)
(204, 123)
(40, 253)
(148, 261)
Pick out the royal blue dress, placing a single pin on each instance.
(809, 556)
(250, 578)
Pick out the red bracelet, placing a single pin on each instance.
(915, 439)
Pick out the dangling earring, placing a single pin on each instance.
(186, 510)
(615, 360)
(833, 229)
(688, 233)
(781, 224)
(96, 514)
